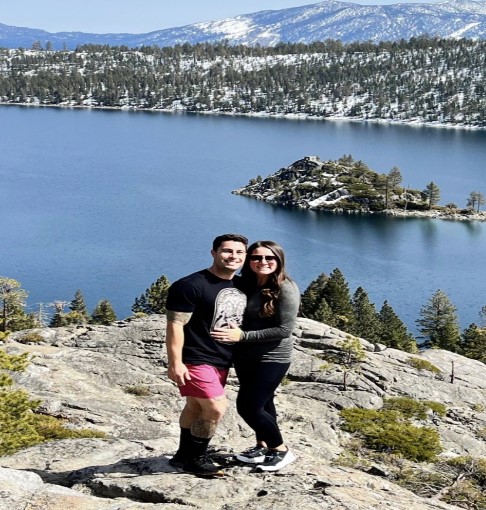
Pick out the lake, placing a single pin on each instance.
(107, 201)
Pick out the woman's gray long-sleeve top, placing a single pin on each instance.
(269, 338)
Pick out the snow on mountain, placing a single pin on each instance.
(325, 20)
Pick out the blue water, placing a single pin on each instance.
(107, 201)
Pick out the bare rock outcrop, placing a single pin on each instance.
(93, 377)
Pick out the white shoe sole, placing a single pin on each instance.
(254, 460)
(289, 458)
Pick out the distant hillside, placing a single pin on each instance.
(315, 22)
(424, 80)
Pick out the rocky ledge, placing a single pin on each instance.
(83, 374)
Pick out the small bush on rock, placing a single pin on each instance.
(389, 430)
(411, 408)
(423, 364)
(31, 337)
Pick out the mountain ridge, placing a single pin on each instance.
(319, 21)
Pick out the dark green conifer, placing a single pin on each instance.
(393, 332)
(154, 298)
(336, 294)
(312, 297)
(438, 323)
(79, 311)
(473, 343)
(366, 323)
(103, 313)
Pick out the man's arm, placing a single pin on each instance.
(174, 339)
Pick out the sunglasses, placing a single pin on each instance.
(260, 258)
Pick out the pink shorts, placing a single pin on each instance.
(206, 381)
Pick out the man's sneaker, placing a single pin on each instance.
(177, 461)
(203, 466)
(253, 455)
(275, 460)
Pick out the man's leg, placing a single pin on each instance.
(189, 415)
(204, 426)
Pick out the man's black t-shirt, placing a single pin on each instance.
(214, 303)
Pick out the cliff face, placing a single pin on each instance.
(84, 374)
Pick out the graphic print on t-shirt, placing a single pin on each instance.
(228, 308)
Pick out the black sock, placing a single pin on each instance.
(200, 445)
(186, 448)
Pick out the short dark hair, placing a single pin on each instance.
(218, 241)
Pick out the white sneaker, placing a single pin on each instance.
(275, 460)
(254, 455)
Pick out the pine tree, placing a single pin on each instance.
(17, 428)
(154, 298)
(312, 297)
(79, 312)
(432, 194)
(438, 323)
(473, 343)
(393, 332)
(336, 294)
(366, 324)
(12, 306)
(103, 313)
(59, 318)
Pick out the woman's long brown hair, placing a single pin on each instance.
(271, 291)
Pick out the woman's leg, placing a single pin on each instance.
(258, 382)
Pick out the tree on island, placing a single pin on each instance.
(475, 200)
(431, 194)
(438, 323)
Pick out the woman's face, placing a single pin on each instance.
(263, 261)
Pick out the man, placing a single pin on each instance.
(198, 364)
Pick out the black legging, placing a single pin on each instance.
(258, 382)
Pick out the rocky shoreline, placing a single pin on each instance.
(348, 186)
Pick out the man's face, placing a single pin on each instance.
(230, 256)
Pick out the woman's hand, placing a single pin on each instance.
(227, 335)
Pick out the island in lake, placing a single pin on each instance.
(349, 186)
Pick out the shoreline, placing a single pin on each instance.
(289, 116)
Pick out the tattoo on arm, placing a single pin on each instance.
(204, 428)
(179, 317)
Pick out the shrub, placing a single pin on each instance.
(19, 426)
(139, 390)
(50, 428)
(411, 408)
(423, 364)
(31, 337)
(387, 430)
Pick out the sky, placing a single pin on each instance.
(140, 16)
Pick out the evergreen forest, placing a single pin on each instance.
(422, 80)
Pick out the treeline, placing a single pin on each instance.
(327, 299)
(423, 79)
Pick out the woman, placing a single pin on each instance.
(263, 351)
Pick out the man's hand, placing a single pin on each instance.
(178, 373)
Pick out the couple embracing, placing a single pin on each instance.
(216, 320)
